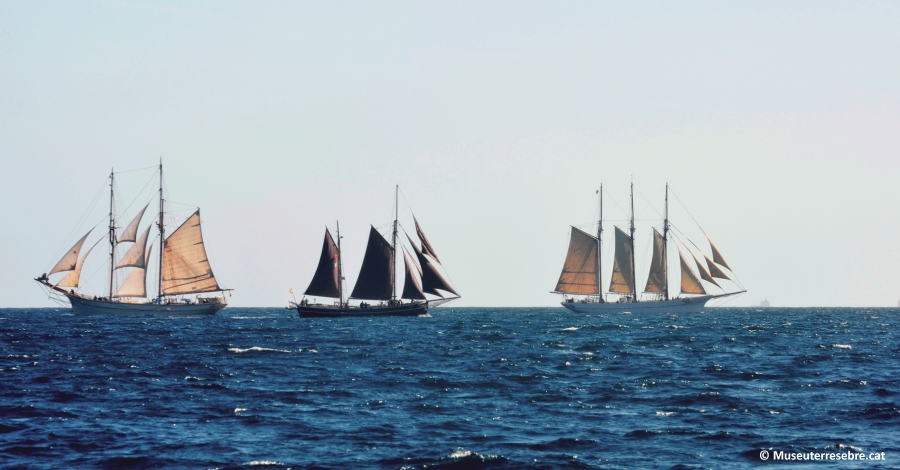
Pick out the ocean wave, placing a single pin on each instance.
(257, 349)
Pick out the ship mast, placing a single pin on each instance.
(394, 247)
(162, 234)
(340, 266)
(600, 247)
(112, 233)
(633, 274)
(665, 250)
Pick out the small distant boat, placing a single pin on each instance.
(183, 269)
(581, 273)
(765, 303)
(377, 280)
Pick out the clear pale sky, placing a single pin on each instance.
(777, 124)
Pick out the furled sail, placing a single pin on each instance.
(704, 273)
(135, 256)
(623, 269)
(70, 259)
(411, 287)
(432, 280)
(581, 268)
(185, 268)
(130, 232)
(135, 284)
(689, 282)
(656, 280)
(374, 281)
(426, 247)
(72, 277)
(717, 255)
(325, 282)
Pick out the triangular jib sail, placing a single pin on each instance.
(426, 247)
(656, 280)
(186, 268)
(374, 281)
(70, 259)
(689, 282)
(717, 255)
(411, 287)
(623, 268)
(325, 282)
(72, 278)
(581, 268)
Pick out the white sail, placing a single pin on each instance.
(135, 284)
(689, 282)
(135, 256)
(70, 259)
(130, 232)
(185, 268)
(72, 277)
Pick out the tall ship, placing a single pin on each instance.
(181, 265)
(581, 280)
(377, 277)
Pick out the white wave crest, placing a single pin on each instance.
(255, 348)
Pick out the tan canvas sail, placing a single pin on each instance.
(704, 273)
(623, 269)
(715, 270)
(135, 284)
(185, 268)
(656, 280)
(580, 270)
(717, 255)
(135, 256)
(72, 277)
(689, 282)
(70, 259)
(130, 232)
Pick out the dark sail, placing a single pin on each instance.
(325, 281)
(431, 278)
(426, 247)
(656, 280)
(374, 281)
(411, 287)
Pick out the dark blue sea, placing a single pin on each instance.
(463, 388)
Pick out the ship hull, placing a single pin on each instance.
(84, 306)
(685, 305)
(405, 310)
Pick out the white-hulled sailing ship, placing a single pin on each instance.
(377, 280)
(581, 281)
(183, 269)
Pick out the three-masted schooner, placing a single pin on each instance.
(377, 279)
(183, 269)
(581, 273)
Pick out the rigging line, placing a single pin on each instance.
(650, 204)
(138, 194)
(79, 223)
(136, 169)
(683, 206)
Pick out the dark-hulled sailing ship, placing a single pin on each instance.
(581, 282)
(183, 269)
(377, 280)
